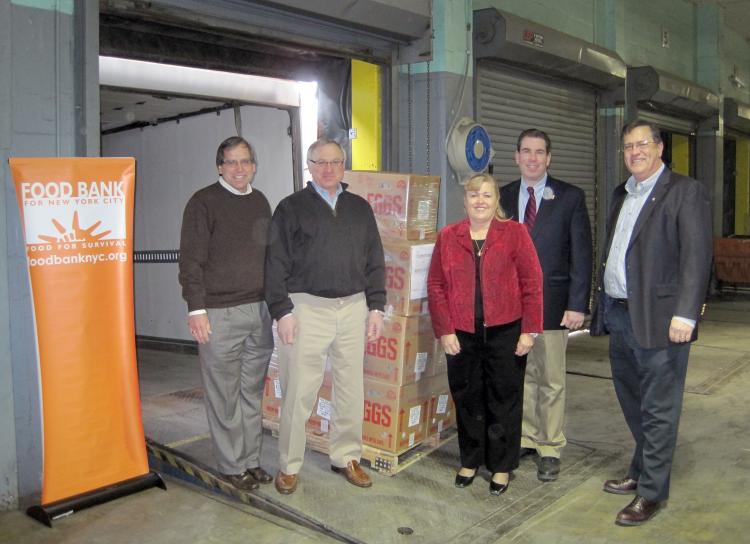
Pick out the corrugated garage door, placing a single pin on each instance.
(510, 101)
(668, 122)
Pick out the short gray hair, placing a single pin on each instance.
(320, 142)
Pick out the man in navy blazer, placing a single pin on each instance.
(555, 213)
(652, 285)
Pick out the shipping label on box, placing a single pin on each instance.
(406, 268)
(405, 205)
(403, 353)
(442, 413)
(395, 417)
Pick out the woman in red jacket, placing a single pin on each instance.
(485, 296)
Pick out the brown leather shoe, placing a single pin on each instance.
(259, 475)
(638, 512)
(286, 484)
(354, 474)
(243, 482)
(621, 487)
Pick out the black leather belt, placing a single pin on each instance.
(622, 302)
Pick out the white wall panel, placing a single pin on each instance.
(173, 161)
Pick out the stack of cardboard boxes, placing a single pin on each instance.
(406, 389)
(406, 385)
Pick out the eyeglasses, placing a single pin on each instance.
(335, 163)
(233, 163)
(640, 146)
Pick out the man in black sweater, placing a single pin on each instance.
(222, 254)
(325, 286)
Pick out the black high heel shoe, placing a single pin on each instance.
(464, 481)
(497, 489)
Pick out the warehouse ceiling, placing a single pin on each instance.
(132, 109)
(121, 108)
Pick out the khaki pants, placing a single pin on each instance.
(544, 394)
(334, 329)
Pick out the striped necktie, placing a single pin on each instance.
(529, 216)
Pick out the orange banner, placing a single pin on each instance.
(77, 215)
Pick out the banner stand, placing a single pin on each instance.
(49, 512)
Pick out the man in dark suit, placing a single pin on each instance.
(652, 285)
(556, 216)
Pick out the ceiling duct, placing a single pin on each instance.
(647, 86)
(736, 115)
(505, 37)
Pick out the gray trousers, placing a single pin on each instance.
(234, 363)
(649, 384)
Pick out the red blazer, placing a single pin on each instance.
(510, 273)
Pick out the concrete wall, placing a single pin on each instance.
(635, 25)
(639, 35)
(37, 107)
(736, 53)
(8, 469)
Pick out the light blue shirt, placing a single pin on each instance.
(523, 196)
(615, 276)
(330, 200)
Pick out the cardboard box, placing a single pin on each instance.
(442, 414)
(404, 352)
(405, 205)
(439, 359)
(271, 403)
(395, 417)
(406, 268)
(319, 421)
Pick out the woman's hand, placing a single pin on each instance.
(525, 343)
(450, 344)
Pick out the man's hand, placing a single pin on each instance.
(525, 343)
(286, 328)
(374, 325)
(572, 320)
(200, 328)
(450, 344)
(679, 331)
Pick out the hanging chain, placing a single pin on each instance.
(429, 90)
(409, 119)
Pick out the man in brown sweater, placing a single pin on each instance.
(222, 254)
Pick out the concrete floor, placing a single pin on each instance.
(710, 500)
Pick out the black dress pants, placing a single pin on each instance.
(486, 381)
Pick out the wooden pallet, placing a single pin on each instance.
(390, 464)
(382, 461)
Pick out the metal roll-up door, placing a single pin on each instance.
(668, 122)
(510, 101)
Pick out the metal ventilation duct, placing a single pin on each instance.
(736, 115)
(501, 36)
(668, 93)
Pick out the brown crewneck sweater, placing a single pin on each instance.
(223, 248)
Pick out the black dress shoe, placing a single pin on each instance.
(243, 482)
(548, 469)
(259, 475)
(621, 487)
(497, 489)
(464, 481)
(638, 512)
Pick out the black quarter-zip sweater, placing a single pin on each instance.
(323, 252)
